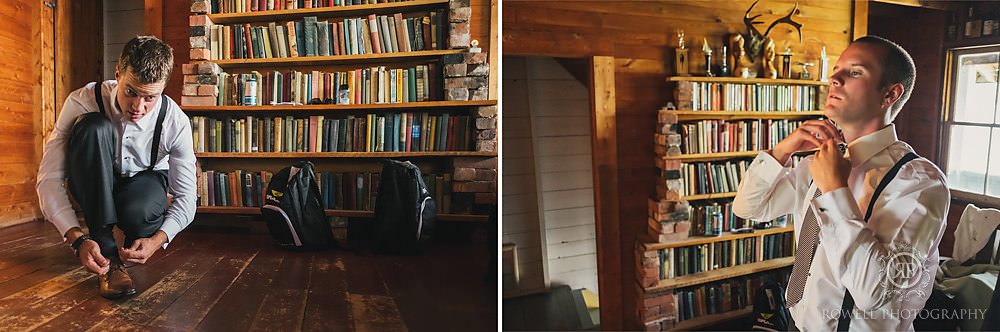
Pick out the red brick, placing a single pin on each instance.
(483, 174)
(486, 198)
(666, 117)
(190, 78)
(665, 238)
(189, 68)
(200, 6)
(208, 90)
(657, 299)
(199, 20)
(490, 163)
(198, 101)
(651, 262)
(189, 89)
(200, 53)
(486, 145)
(475, 58)
(464, 174)
(682, 227)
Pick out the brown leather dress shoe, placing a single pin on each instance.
(116, 283)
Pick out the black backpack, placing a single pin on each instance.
(404, 210)
(293, 211)
(769, 311)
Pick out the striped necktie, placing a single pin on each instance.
(804, 253)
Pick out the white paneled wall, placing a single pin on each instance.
(548, 194)
(123, 20)
(560, 116)
(521, 224)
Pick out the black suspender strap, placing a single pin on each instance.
(98, 97)
(157, 132)
(844, 322)
(155, 149)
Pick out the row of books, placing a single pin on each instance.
(243, 6)
(338, 190)
(712, 177)
(714, 136)
(715, 219)
(753, 97)
(723, 296)
(390, 132)
(681, 261)
(375, 85)
(373, 34)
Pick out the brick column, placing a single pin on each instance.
(466, 76)
(474, 184)
(201, 86)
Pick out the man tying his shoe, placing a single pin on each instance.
(120, 146)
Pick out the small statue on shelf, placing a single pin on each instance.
(767, 60)
(681, 56)
(736, 56)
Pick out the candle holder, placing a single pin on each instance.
(708, 57)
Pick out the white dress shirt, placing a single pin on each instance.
(906, 224)
(175, 154)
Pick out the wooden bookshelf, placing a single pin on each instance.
(713, 156)
(326, 12)
(696, 240)
(688, 115)
(423, 105)
(722, 273)
(353, 59)
(740, 80)
(344, 154)
(708, 320)
(338, 213)
(706, 196)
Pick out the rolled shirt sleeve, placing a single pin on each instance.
(766, 191)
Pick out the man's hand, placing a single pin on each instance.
(142, 249)
(829, 168)
(810, 135)
(91, 258)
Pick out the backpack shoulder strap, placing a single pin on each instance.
(844, 322)
(157, 132)
(98, 97)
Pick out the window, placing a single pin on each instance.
(973, 125)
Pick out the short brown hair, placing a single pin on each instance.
(897, 67)
(150, 58)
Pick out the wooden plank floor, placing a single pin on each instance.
(214, 279)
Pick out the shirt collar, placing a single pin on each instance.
(146, 122)
(864, 147)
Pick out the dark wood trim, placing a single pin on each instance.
(153, 20)
(605, 172)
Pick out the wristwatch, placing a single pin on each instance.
(76, 244)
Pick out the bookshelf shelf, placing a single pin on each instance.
(687, 115)
(695, 240)
(703, 321)
(296, 108)
(338, 213)
(707, 196)
(334, 59)
(741, 80)
(325, 12)
(344, 154)
(713, 156)
(723, 273)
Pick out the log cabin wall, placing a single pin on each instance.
(641, 36)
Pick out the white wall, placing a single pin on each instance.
(521, 224)
(123, 20)
(548, 185)
(560, 115)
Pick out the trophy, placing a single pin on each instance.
(708, 57)
(786, 63)
(681, 56)
(823, 63)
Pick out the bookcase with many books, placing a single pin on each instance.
(701, 264)
(342, 84)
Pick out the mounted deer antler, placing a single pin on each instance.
(755, 40)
